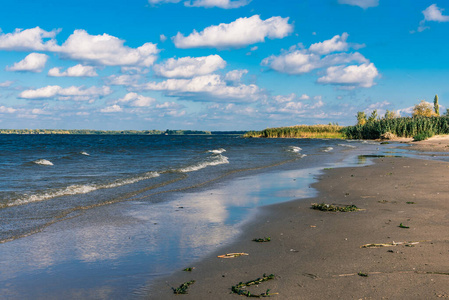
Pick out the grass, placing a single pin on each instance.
(334, 208)
(300, 131)
(403, 226)
(190, 269)
(262, 240)
(238, 288)
(182, 289)
(362, 274)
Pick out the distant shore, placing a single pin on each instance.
(318, 255)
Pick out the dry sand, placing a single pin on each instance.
(318, 255)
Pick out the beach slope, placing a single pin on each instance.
(317, 255)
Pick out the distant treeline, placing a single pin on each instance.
(300, 131)
(401, 127)
(102, 132)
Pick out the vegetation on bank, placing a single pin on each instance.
(300, 131)
(102, 132)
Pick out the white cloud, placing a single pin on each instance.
(162, 38)
(29, 39)
(7, 83)
(7, 110)
(226, 4)
(240, 33)
(211, 88)
(111, 109)
(302, 61)
(106, 50)
(102, 49)
(335, 44)
(187, 67)
(34, 62)
(351, 76)
(136, 100)
(235, 76)
(70, 93)
(361, 3)
(75, 71)
(292, 104)
(125, 79)
(434, 13)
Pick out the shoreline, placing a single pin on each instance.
(315, 254)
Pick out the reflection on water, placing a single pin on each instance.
(88, 255)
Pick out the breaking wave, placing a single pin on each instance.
(217, 151)
(78, 189)
(294, 149)
(328, 149)
(212, 161)
(346, 145)
(43, 162)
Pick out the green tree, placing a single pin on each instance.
(389, 114)
(373, 116)
(361, 118)
(423, 109)
(436, 106)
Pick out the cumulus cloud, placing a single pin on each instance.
(235, 76)
(33, 39)
(432, 14)
(187, 67)
(361, 3)
(7, 110)
(106, 50)
(71, 93)
(240, 33)
(318, 56)
(293, 104)
(226, 4)
(136, 100)
(34, 62)
(111, 109)
(125, 79)
(102, 49)
(336, 44)
(302, 61)
(350, 76)
(211, 88)
(75, 71)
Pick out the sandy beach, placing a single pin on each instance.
(317, 255)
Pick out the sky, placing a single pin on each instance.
(217, 64)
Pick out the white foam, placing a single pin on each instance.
(80, 189)
(43, 162)
(328, 149)
(295, 149)
(346, 145)
(216, 160)
(303, 155)
(84, 153)
(217, 151)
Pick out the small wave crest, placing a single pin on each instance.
(328, 149)
(217, 151)
(78, 189)
(84, 153)
(213, 161)
(43, 162)
(294, 149)
(347, 146)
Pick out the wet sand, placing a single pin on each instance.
(318, 255)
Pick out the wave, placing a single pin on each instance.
(84, 153)
(78, 189)
(43, 162)
(294, 149)
(213, 161)
(328, 149)
(217, 151)
(346, 145)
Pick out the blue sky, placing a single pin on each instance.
(217, 64)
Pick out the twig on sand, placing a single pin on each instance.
(232, 255)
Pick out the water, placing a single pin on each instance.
(97, 217)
